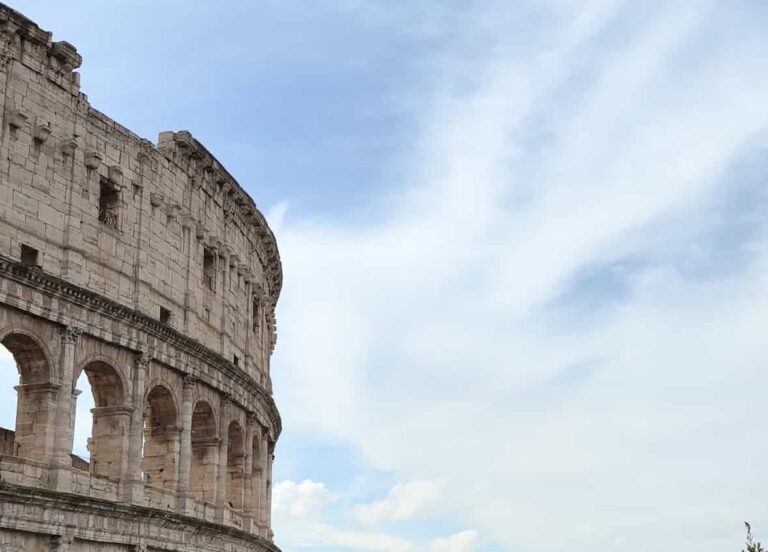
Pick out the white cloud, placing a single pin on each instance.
(465, 541)
(438, 339)
(318, 534)
(299, 510)
(300, 500)
(451, 338)
(404, 502)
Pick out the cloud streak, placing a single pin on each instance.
(404, 502)
(603, 146)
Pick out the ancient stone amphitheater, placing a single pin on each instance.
(148, 269)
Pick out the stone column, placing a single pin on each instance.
(223, 334)
(73, 410)
(111, 441)
(185, 453)
(64, 423)
(188, 241)
(251, 433)
(248, 361)
(59, 477)
(268, 477)
(35, 412)
(262, 485)
(133, 485)
(221, 473)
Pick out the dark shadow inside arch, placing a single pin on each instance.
(202, 473)
(160, 452)
(235, 465)
(106, 384)
(257, 489)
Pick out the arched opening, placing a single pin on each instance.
(9, 379)
(202, 470)
(32, 433)
(110, 419)
(82, 404)
(235, 465)
(160, 455)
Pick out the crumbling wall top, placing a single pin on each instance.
(58, 59)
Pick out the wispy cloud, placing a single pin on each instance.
(465, 541)
(300, 510)
(404, 502)
(556, 305)
(300, 500)
(437, 338)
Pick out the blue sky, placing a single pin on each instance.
(524, 246)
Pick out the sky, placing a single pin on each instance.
(525, 249)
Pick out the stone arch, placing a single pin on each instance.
(33, 361)
(32, 437)
(111, 418)
(106, 383)
(204, 454)
(235, 464)
(99, 360)
(160, 452)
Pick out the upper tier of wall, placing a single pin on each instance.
(178, 239)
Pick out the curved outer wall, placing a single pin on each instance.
(147, 269)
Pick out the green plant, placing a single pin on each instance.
(752, 546)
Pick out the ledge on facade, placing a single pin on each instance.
(65, 53)
(53, 285)
(181, 145)
(11, 492)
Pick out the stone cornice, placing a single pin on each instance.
(56, 60)
(10, 493)
(176, 145)
(54, 286)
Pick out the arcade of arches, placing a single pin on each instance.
(154, 432)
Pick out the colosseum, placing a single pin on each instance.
(148, 269)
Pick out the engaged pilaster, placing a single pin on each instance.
(59, 478)
(64, 424)
(185, 452)
(251, 437)
(133, 485)
(221, 473)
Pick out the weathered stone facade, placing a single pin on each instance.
(147, 268)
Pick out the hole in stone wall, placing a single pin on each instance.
(165, 315)
(29, 256)
(109, 202)
(209, 269)
(236, 360)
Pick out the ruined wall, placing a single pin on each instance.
(148, 269)
(172, 204)
(6, 442)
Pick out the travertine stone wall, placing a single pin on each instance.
(147, 269)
